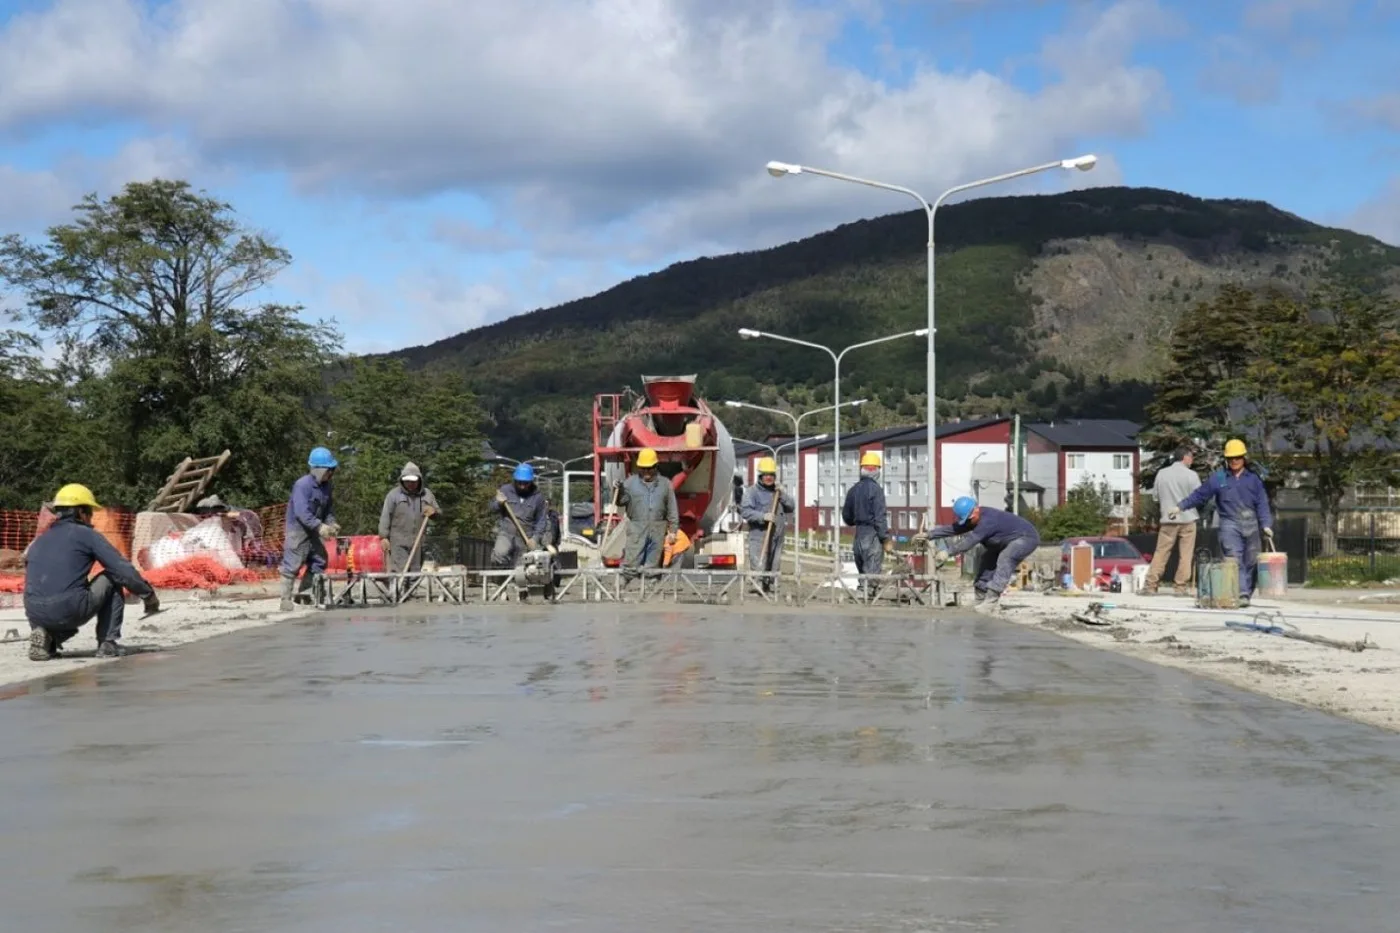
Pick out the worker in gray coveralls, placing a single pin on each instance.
(653, 517)
(865, 510)
(405, 508)
(756, 510)
(1006, 541)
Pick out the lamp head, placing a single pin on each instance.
(1084, 163)
(921, 332)
(733, 404)
(747, 333)
(857, 403)
(779, 169)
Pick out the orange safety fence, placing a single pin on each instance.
(251, 549)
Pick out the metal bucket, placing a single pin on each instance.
(1218, 584)
(1273, 574)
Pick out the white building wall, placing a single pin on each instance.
(955, 478)
(1100, 466)
(1043, 469)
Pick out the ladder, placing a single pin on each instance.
(188, 483)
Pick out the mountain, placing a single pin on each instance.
(1049, 305)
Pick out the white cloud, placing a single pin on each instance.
(641, 123)
(1380, 217)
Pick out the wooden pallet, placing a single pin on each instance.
(187, 484)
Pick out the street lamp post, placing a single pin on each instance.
(797, 454)
(779, 169)
(749, 334)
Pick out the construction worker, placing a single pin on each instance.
(310, 520)
(653, 518)
(58, 597)
(1178, 527)
(406, 507)
(865, 510)
(1007, 540)
(523, 499)
(1244, 512)
(760, 512)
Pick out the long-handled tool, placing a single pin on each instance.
(413, 552)
(524, 538)
(768, 532)
(612, 526)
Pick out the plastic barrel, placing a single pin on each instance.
(1273, 574)
(1218, 583)
(362, 554)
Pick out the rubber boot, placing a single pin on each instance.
(110, 649)
(287, 583)
(305, 595)
(990, 606)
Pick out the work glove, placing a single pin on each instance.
(889, 545)
(1173, 514)
(920, 537)
(328, 531)
(671, 539)
(530, 544)
(151, 603)
(384, 545)
(941, 557)
(429, 511)
(500, 497)
(553, 551)
(1268, 535)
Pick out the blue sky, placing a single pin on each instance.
(438, 165)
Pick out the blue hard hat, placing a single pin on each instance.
(524, 473)
(322, 458)
(963, 506)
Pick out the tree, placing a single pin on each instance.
(1334, 361)
(1084, 513)
(38, 426)
(384, 415)
(149, 296)
(1209, 393)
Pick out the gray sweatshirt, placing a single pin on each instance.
(1173, 484)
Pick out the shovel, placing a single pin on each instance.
(768, 532)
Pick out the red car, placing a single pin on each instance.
(1110, 554)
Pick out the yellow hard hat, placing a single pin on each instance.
(647, 458)
(767, 465)
(75, 494)
(1235, 448)
(871, 458)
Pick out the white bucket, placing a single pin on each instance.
(1139, 578)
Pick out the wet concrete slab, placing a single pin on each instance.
(600, 769)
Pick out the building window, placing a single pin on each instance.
(1122, 497)
(1074, 461)
(913, 487)
(1122, 461)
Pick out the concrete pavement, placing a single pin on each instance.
(672, 768)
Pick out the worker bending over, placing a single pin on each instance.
(523, 499)
(310, 520)
(1006, 539)
(653, 518)
(406, 507)
(865, 510)
(765, 505)
(58, 597)
(1243, 503)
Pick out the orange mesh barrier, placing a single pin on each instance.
(255, 536)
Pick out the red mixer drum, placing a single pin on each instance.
(357, 554)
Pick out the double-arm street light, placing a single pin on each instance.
(749, 334)
(779, 169)
(797, 448)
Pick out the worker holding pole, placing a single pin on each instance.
(765, 508)
(310, 520)
(522, 518)
(407, 507)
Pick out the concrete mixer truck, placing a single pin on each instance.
(696, 457)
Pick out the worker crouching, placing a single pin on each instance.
(406, 507)
(653, 518)
(310, 520)
(1007, 540)
(58, 596)
(522, 518)
(764, 509)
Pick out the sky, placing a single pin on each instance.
(437, 165)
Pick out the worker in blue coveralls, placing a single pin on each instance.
(310, 520)
(1244, 512)
(1006, 541)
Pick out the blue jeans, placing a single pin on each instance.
(1243, 549)
(998, 563)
